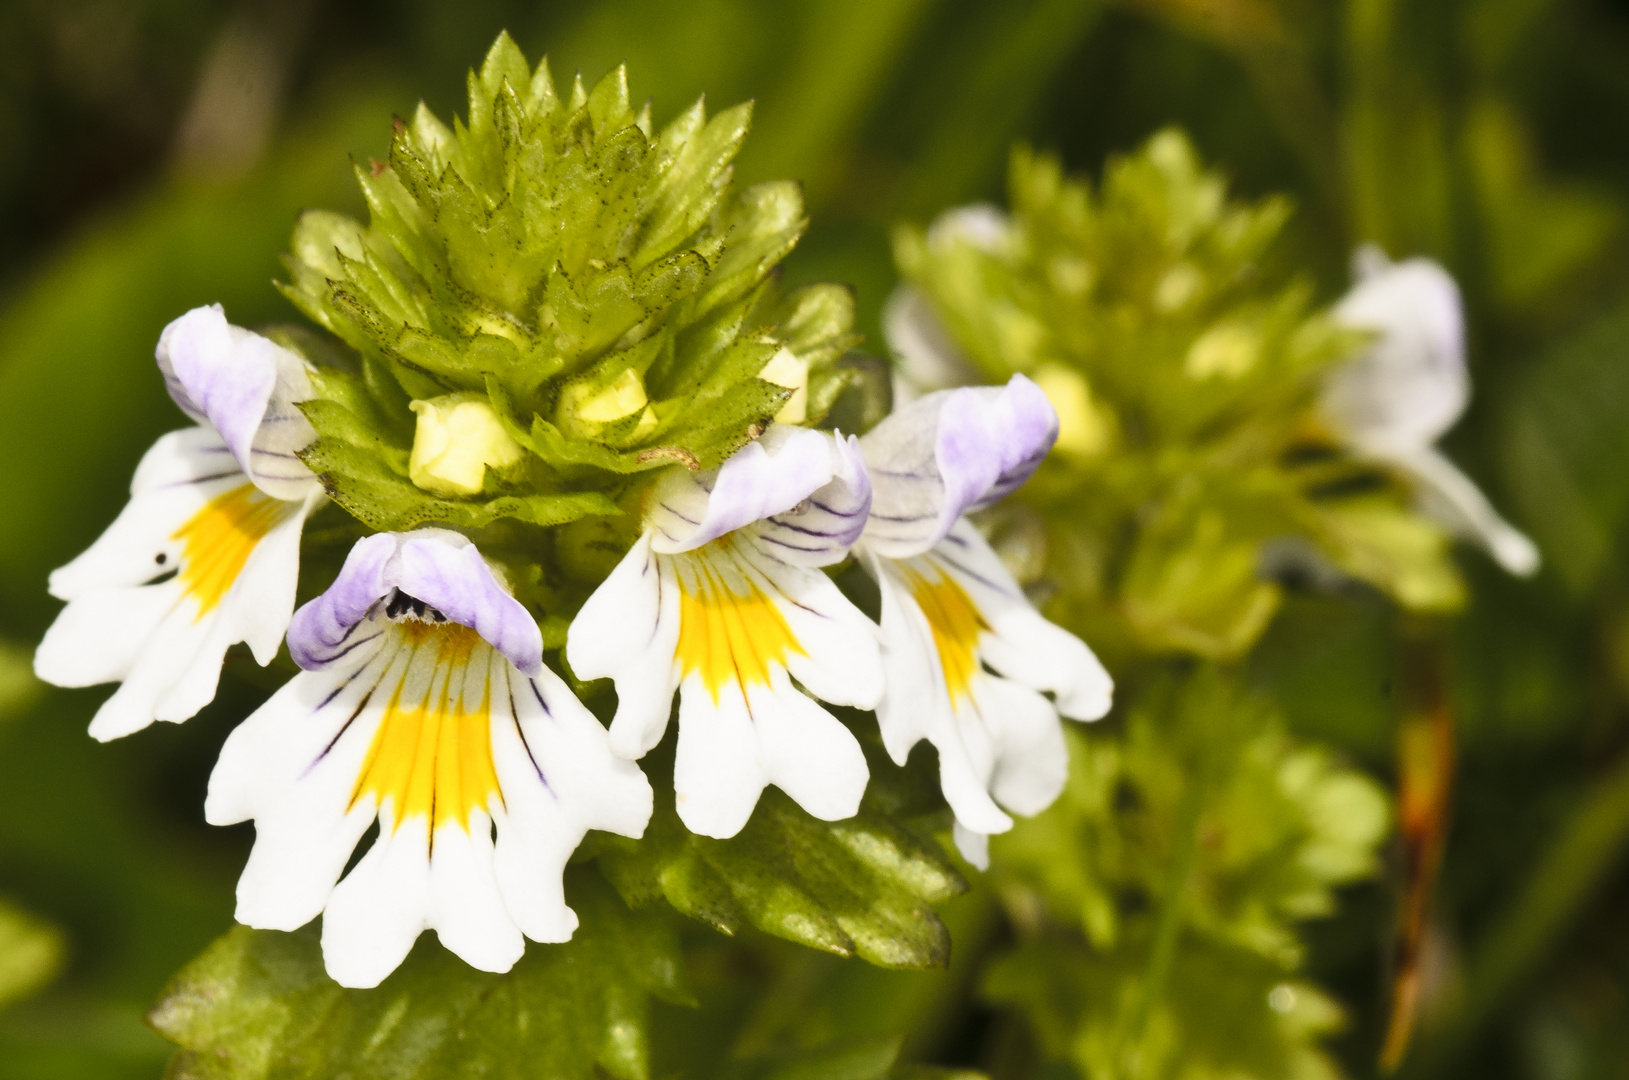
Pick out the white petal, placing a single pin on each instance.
(466, 910)
(262, 600)
(718, 773)
(925, 357)
(628, 631)
(1031, 759)
(841, 659)
(914, 699)
(176, 479)
(559, 778)
(98, 636)
(974, 846)
(176, 643)
(1022, 644)
(1455, 502)
(1411, 385)
(602, 790)
(806, 751)
(379, 910)
(293, 767)
(916, 705)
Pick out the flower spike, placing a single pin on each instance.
(1395, 400)
(966, 655)
(720, 599)
(206, 553)
(425, 706)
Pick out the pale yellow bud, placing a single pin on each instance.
(1228, 351)
(458, 437)
(1083, 430)
(786, 369)
(624, 397)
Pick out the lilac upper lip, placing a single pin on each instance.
(441, 569)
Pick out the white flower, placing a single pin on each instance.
(424, 704)
(722, 598)
(966, 656)
(926, 357)
(206, 553)
(1393, 402)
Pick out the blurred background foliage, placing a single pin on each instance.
(154, 153)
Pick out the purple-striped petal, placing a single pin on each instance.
(769, 476)
(440, 568)
(246, 387)
(820, 529)
(949, 453)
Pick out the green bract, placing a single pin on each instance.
(599, 282)
(1198, 839)
(1185, 370)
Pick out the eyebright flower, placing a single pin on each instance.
(927, 358)
(206, 553)
(424, 704)
(965, 653)
(722, 598)
(1393, 402)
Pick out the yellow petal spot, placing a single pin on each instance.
(956, 625)
(434, 758)
(458, 437)
(786, 369)
(730, 636)
(219, 539)
(1083, 430)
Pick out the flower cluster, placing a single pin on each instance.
(1229, 433)
(666, 474)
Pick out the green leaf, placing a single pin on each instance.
(1223, 1012)
(1283, 825)
(258, 1006)
(1169, 880)
(863, 886)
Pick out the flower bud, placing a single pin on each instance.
(458, 436)
(585, 410)
(786, 369)
(1084, 430)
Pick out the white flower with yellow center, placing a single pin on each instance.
(1395, 400)
(722, 599)
(207, 552)
(967, 657)
(424, 705)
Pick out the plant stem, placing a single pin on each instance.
(1591, 844)
(1168, 929)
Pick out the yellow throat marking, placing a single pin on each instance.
(219, 539)
(956, 625)
(434, 760)
(729, 636)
